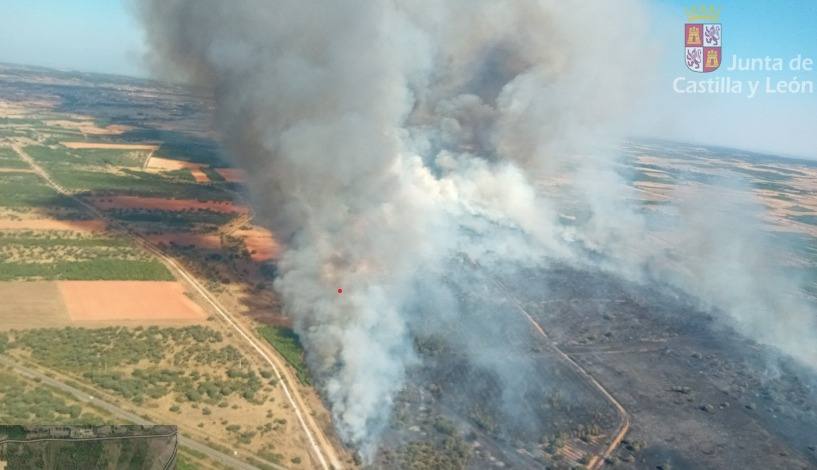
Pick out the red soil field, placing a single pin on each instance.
(232, 175)
(148, 301)
(210, 242)
(167, 164)
(199, 176)
(53, 224)
(261, 242)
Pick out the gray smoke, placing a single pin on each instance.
(386, 139)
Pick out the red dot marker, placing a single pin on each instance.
(340, 291)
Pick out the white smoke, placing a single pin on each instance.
(386, 138)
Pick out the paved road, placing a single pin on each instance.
(125, 415)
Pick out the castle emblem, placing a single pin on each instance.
(703, 39)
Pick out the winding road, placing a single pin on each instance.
(597, 460)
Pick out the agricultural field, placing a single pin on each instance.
(287, 343)
(24, 192)
(65, 255)
(47, 236)
(9, 161)
(194, 376)
(99, 447)
(91, 157)
(118, 172)
(90, 205)
(180, 204)
(24, 401)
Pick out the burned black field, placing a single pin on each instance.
(510, 400)
(621, 375)
(699, 395)
(695, 393)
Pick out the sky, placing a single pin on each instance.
(102, 36)
(776, 123)
(84, 35)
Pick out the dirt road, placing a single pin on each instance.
(125, 415)
(321, 448)
(595, 461)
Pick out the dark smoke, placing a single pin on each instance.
(390, 140)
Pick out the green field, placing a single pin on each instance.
(61, 451)
(24, 192)
(287, 343)
(97, 270)
(178, 220)
(9, 159)
(25, 403)
(60, 238)
(61, 255)
(27, 190)
(191, 363)
(87, 157)
(115, 172)
(13, 121)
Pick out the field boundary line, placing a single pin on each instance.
(213, 302)
(100, 404)
(96, 438)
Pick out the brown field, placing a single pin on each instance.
(111, 301)
(209, 242)
(652, 191)
(159, 163)
(167, 164)
(88, 127)
(31, 305)
(200, 176)
(103, 145)
(158, 203)
(261, 242)
(53, 224)
(13, 109)
(232, 175)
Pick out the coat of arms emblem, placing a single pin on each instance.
(703, 39)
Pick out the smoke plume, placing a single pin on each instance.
(388, 141)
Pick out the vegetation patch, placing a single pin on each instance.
(88, 157)
(10, 159)
(22, 402)
(65, 255)
(450, 454)
(190, 364)
(114, 172)
(177, 219)
(27, 190)
(287, 343)
(108, 269)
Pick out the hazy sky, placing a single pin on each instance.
(779, 123)
(101, 36)
(85, 35)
